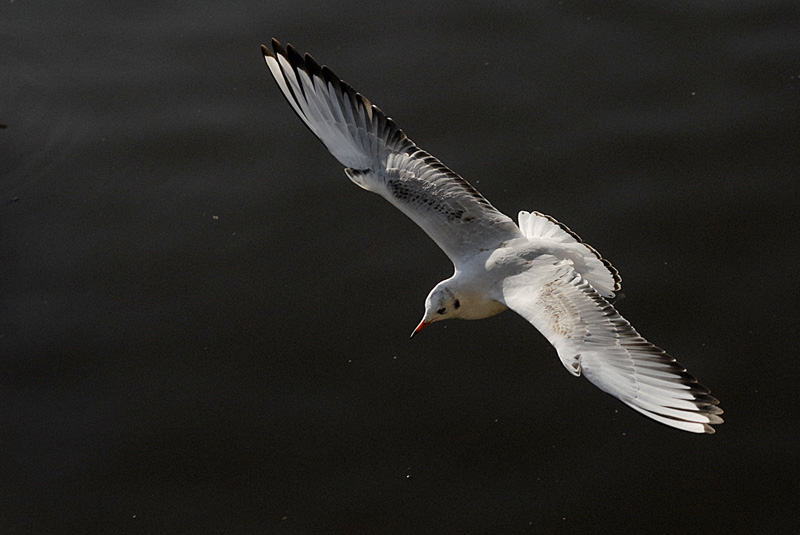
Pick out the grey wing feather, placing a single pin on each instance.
(379, 157)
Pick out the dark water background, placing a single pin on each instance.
(203, 324)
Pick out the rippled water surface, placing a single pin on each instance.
(204, 325)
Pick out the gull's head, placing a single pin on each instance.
(442, 303)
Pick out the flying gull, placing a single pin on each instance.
(538, 268)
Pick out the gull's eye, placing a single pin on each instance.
(442, 310)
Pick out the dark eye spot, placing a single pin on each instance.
(442, 310)
(456, 304)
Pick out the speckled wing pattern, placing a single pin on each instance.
(380, 158)
(593, 339)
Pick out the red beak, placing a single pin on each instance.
(422, 325)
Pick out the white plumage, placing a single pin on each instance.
(540, 269)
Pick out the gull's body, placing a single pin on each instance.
(539, 268)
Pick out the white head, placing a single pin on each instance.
(458, 298)
(442, 303)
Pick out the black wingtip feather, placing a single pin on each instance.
(312, 66)
(295, 58)
(278, 47)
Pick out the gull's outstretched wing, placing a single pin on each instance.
(379, 157)
(592, 338)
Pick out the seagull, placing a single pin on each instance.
(538, 267)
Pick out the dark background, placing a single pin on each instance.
(204, 325)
